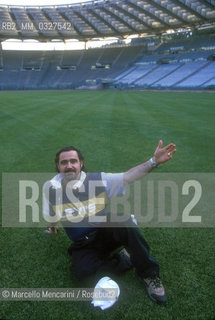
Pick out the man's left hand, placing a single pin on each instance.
(164, 154)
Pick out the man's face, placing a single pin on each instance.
(70, 165)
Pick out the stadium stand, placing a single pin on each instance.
(1, 58)
(157, 61)
(198, 79)
(69, 69)
(210, 83)
(157, 73)
(174, 75)
(103, 18)
(174, 65)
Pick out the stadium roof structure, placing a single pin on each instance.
(103, 18)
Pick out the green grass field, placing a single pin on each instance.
(115, 130)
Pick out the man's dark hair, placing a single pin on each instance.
(65, 149)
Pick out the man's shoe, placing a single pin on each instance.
(155, 289)
(123, 261)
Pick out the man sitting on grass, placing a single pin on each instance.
(79, 200)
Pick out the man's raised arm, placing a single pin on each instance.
(161, 155)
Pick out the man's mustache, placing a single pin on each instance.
(69, 170)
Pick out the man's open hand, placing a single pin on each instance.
(164, 154)
(52, 230)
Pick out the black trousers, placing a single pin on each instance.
(95, 256)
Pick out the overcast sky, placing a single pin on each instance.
(38, 2)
